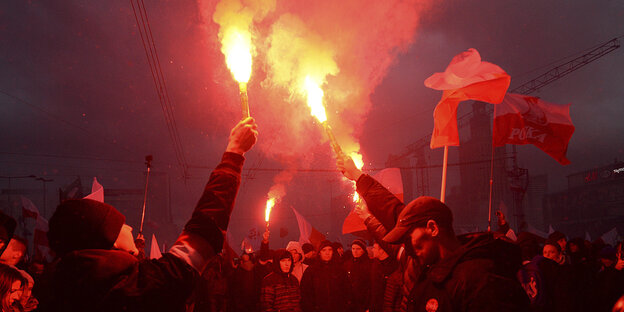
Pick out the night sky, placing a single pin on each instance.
(77, 96)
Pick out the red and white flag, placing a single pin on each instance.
(391, 179)
(97, 191)
(35, 231)
(154, 249)
(465, 78)
(522, 119)
(307, 233)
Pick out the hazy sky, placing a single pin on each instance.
(77, 96)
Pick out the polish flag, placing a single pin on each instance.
(391, 179)
(307, 233)
(97, 191)
(154, 249)
(522, 119)
(465, 78)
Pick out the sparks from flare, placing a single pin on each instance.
(237, 50)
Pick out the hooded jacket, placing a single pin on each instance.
(479, 276)
(298, 267)
(113, 280)
(280, 290)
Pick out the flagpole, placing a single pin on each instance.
(491, 174)
(444, 166)
(148, 163)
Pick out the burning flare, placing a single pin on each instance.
(236, 46)
(315, 102)
(359, 163)
(267, 212)
(237, 50)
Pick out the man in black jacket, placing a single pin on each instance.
(98, 270)
(444, 272)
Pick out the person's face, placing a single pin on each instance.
(125, 240)
(340, 251)
(310, 254)
(15, 292)
(424, 246)
(551, 253)
(285, 265)
(14, 253)
(562, 243)
(296, 255)
(326, 253)
(357, 251)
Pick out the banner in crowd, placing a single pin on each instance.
(522, 119)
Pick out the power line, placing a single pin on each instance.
(62, 120)
(147, 39)
(72, 157)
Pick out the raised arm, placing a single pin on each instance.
(203, 234)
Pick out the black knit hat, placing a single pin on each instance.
(307, 247)
(360, 243)
(324, 244)
(84, 224)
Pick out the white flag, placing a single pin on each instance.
(97, 191)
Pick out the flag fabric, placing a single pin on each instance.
(97, 191)
(610, 237)
(522, 119)
(307, 233)
(550, 230)
(511, 235)
(72, 191)
(537, 232)
(465, 78)
(587, 237)
(35, 230)
(155, 249)
(391, 179)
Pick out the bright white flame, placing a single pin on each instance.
(237, 50)
(357, 159)
(315, 99)
(267, 212)
(359, 163)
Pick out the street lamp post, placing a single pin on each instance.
(44, 181)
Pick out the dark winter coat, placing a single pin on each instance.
(110, 280)
(479, 276)
(325, 288)
(359, 274)
(380, 273)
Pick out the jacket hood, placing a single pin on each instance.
(297, 246)
(279, 255)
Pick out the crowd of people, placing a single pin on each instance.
(411, 260)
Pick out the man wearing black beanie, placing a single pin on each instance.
(97, 269)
